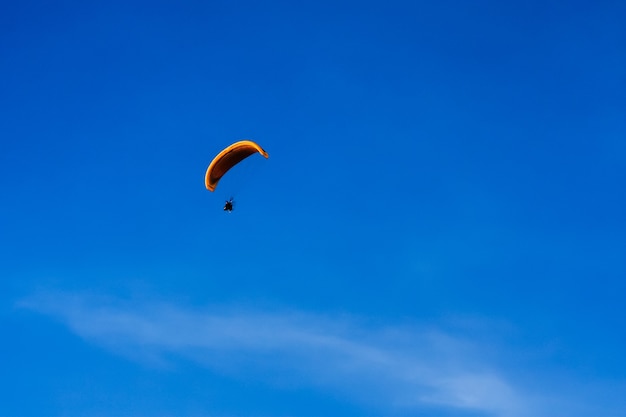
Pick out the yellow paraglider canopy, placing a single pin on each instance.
(228, 158)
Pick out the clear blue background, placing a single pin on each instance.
(430, 163)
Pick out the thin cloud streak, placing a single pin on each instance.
(409, 368)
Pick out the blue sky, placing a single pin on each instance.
(439, 229)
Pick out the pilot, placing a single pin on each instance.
(228, 205)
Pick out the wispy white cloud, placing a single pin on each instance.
(386, 366)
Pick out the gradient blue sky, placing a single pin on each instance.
(440, 229)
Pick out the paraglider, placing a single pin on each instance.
(227, 159)
(229, 205)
